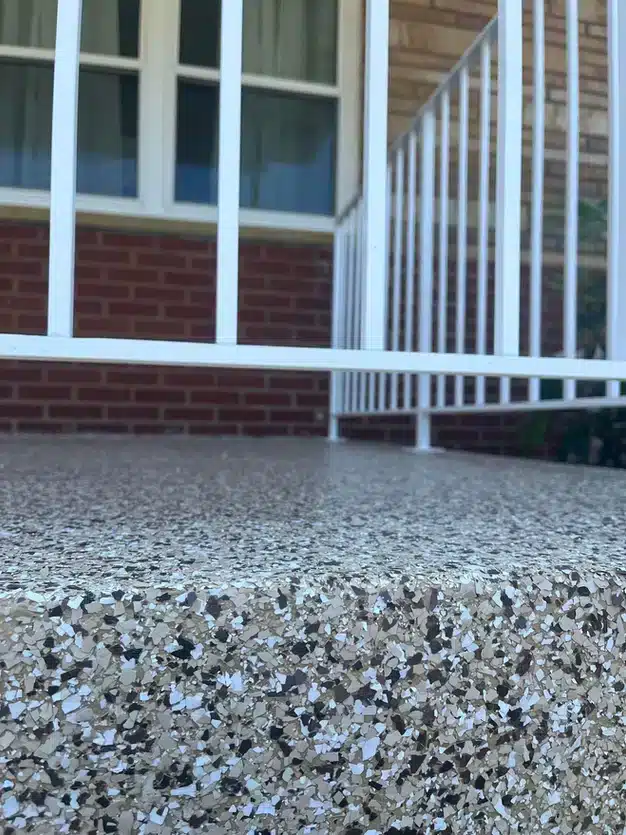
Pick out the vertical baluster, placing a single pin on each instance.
(509, 183)
(409, 294)
(227, 293)
(427, 229)
(398, 225)
(616, 289)
(351, 317)
(536, 234)
(444, 190)
(461, 247)
(337, 337)
(483, 220)
(383, 376)
(63, 178)
(570, 290)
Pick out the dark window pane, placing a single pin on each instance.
(197, 143)
(108, 120)
(288, 152)
(200, 32)
(107, 130)
(291, 39)
(25, 125)
(111, 27)
(28, 23)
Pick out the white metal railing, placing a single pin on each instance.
(441, 203)
(430, 313)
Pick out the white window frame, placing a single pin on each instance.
(158, 69)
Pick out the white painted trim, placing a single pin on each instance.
(63, 170)
(155, 49)
(227, 298)
(157, 352)
(349, 146)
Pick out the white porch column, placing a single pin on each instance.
(509, 177)
(227, 299)
(616, 290)
(375, 174)
(63, 175)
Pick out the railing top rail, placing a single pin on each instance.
(488, 35)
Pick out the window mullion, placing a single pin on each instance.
(159, 27)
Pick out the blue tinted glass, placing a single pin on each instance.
(107, 129)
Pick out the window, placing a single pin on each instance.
(148, 110)
(108, 99)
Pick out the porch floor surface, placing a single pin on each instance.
(96, 513)
(284, 637)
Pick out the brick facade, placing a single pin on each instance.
(163, 287)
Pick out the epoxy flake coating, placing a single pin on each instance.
(248, 637)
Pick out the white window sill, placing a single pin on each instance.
(128, 213)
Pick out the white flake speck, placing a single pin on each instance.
(70, 704)
(175, 696)
(10, 807)
(16, 709)
(185, 791)
(266, 809)
(370, 747)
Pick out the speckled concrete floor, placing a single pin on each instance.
(287, 638)
(77, 513)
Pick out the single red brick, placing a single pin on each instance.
(14, 231)
(131, 275)
(161, 294)
(132, 377)
(159, 329)
(171, 243)
(33, 250)
(132, 412)
(291, 382)
(267, 398)
(13, 267)
(102, 290)
(237, 415)
(75, 411)
(161, 260)
(133, 308)
(189, 377)
(73, 374)
(239, 380)
(160, 395)
(21, 373)
(129, 241)
(185, 279)
(17, 409)
(45, 392)
(189, 413)
(103, 256)
(103, 394)
(213, 396)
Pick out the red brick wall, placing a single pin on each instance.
(163, 287)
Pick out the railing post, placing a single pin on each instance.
(338, 337)
(63, 174)
(509, 177)
(616, 290)
(227, 298)
(427, 232)
(375, 174)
